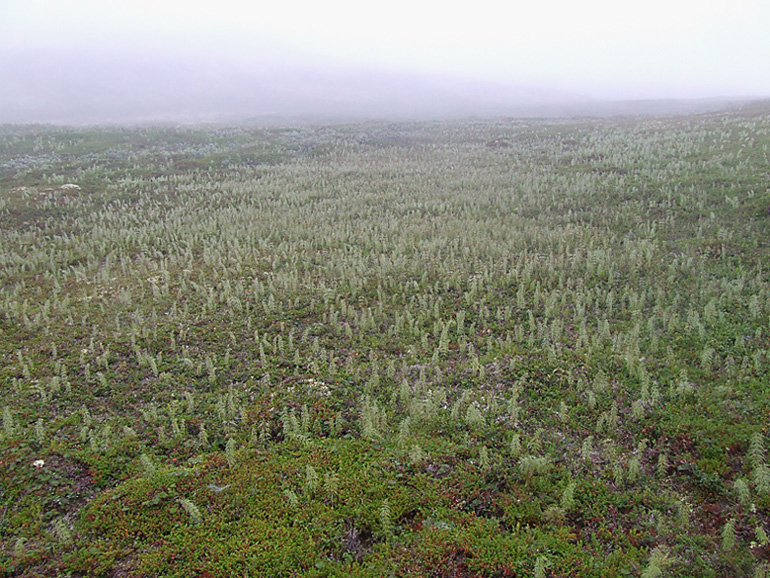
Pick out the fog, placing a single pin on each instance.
(84, 61)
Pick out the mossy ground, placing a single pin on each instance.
(489, 348)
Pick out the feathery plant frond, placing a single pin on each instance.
(203, 438)
(535, 443)
(404, 431)
(660, 559)
(761, 479)
(568, 496)
(742, 490)
(563, 412)
(554, 514)
(295, 428)
(757, 449)
(634, 469)
(530, 465)
(728, 535)
(331, 483)
(474, 418)
(19, 548)
(62, 531)
(312, 479)
(291, 497)
(514, 447)
(416, 455)
(618, 475)
(373, 421)
(587, 448)
(192, 510)
(40, 432)
(386, 519)
(762, 570)
(230, 453)
(761, 536)
(147, 465)
(484, 458)
(190, 402)
(8, 423)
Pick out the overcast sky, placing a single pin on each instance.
(596, 48)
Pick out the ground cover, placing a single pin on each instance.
(479, 348)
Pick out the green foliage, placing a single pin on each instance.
(530, 465)
(386, 518)
(230, 452)
(568, 496)
(8, 422)
(61, 531)
(311, 479)
(291, 497)
(728, 535)
(742, 491)
(147, 466)
(488, 348)
(659, 560)
(757, 449)
(192, 510)
(761, 479)
(761, 536)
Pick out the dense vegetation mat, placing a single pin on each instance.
(491, 348)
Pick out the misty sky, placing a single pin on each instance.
(597, 48)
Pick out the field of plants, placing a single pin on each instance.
(442, 349)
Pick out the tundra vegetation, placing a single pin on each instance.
(480, 348)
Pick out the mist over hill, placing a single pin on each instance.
(71, 85)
